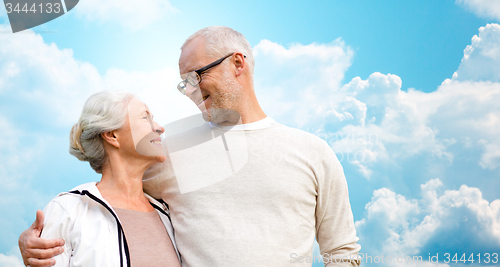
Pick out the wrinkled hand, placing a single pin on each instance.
(37, 251)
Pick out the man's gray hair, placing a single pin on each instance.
(103, 112)
(221, 40)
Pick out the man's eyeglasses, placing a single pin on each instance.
(194, 77)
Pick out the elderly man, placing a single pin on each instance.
(267, 212)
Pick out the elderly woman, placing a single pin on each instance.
(112, 222)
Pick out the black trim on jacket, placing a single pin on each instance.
(121, 233)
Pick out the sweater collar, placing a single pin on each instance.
(257, 125)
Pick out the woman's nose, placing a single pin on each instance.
(158, 128)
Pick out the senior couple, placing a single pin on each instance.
(263, 213)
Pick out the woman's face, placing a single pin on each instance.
(145, 132)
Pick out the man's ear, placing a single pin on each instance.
(239, 63)
(111, 138)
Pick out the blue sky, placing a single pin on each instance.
(405, 92)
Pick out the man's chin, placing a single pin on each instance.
(221, 116)
(206, 116)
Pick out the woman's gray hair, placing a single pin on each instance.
(221, 40)
(103, 112)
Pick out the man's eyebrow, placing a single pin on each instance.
(191, 68)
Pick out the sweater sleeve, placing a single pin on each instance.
(58, 224)
(335, 230)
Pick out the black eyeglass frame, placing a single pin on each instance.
(182, 85)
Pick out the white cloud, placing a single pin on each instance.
(298, 83)
(468, 111)
(10, 261)
(391, 124)
(402, 124)
(481, 58)
(129, 13)
(482, 8)
(491, 158)
(458, 221)
(15, 153)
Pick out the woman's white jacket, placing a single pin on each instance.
(91, 229)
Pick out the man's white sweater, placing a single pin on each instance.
(255, 195)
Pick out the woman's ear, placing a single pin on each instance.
(239, 63)
(111, 138)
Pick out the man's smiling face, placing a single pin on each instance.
(218, 91)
